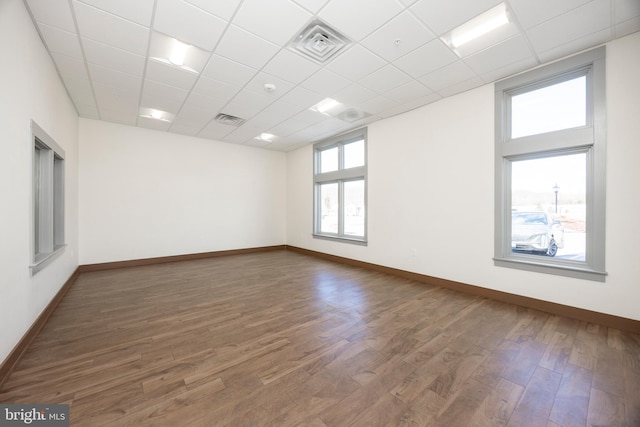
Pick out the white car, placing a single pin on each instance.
(536, 232)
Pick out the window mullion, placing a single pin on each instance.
(45, 202)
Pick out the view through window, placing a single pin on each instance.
(340, 187)
(548, 206)
(550, 168)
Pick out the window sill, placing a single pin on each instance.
(353, 241)
(42, 260)
(575, 271)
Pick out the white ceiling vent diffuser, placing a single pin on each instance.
(319, 42)
(351, 115)
(227, 119)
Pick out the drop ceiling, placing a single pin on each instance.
(396, 60)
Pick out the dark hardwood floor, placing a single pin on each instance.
(285, 339)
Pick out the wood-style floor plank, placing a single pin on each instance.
(284, 339)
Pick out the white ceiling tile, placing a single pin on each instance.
(198, 110)
(356, 63)
(354, 94)
(531, 13)
(377, 104)
(302, 97)
(162, 97)
(116, 98)
(112, 57)
(173, 76)
(442, 16)
(257, 84)
(312, 6)
(110, 77)
(247, 104)
(426, 59)
(499, 73)
(119, 116)
(221, 8)
(448, 76)
(359, 18)
(398, 37)
(199, 102)
(461, 86)
(576, 45)
(407, 91)
(80, 90)
(242, 134)
(291, 67)
(578, 23)
(412, 105)
(195, 120)
(228, 71)
(150, 123)
(513, 50)
(257, 143)
(216, 131)
(56, 13)
(111, 30)
(325, 82)
(61, 41)
(627, 27)
(300, 121)
(275, 113)
(88, 111)
(327, 127)
(625, 10)
(258, 17)
(211, 88)
(69, 66)
(194, 26)
(184, 129)
(385, 79)
(246, 48)
(138, 11)
(408, 3)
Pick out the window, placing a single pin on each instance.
(550, 168)
(48, 199)
(340, 188)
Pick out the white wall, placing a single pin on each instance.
(145, 193)
(30, 89)
(431, 197)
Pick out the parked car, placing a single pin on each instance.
(536, 232)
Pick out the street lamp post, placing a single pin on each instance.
(555, 190)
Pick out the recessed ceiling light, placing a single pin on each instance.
(178, 53)
(325, 105)
(174, 53)
(478, 26)
(266, 137)
(151, 113)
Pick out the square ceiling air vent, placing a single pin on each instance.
(319, 42)
(228, 119)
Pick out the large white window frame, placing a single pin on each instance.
(340, 176)
(48, 236)
(589, 139)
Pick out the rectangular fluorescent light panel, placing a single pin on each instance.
(266, 137)
(479, 26)
(151, 113)
(325, 105)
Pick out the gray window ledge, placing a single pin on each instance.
(42, 260)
